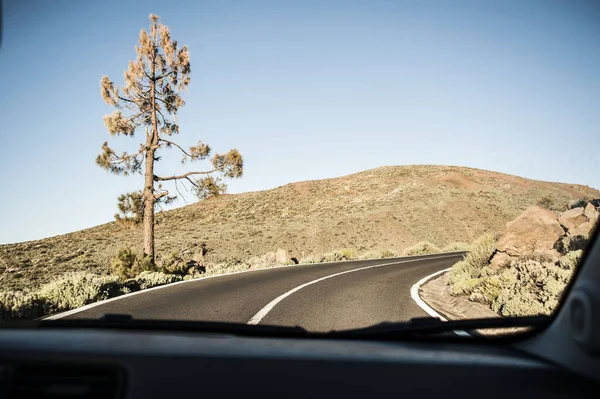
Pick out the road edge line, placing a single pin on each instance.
(264, 311)
(414, 293)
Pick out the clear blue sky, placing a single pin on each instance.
(304, 89)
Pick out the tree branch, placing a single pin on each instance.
(159, 196)
(176, 145)
(124, 158)
(191, 181)
(183, 176)
(179, 192)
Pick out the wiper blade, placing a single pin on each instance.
(413, 329)
(127, 322)
(431, 325)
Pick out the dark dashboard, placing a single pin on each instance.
(137, 364)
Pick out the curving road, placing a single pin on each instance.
(346, 295)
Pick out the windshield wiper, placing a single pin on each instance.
(127, 322)
(427, 326)
(413, 329)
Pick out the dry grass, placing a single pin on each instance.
(388, 208)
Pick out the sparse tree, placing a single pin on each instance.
(149, 100)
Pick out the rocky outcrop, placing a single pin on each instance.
(536, 229)
(539, 230)
(572, 218)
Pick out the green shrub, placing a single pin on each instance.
(387, 253)
(465, 286)
(148, 279)
(570, 260)
(74, 290)
(421, 248)
(487, 290)
(456, 247)
(481, 251)
(348, 253)
(311, 259)
(530, 287)
(370, 255)
(334, 256)
(77, 289)
(474, 264)
(20, 305)
(127, 264)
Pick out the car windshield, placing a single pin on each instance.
(327, 165)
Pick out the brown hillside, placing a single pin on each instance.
(383, 208)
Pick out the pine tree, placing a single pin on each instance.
(150, 99)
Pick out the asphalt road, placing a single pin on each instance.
(357, 298)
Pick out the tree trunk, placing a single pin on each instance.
(149, 205)
(151, 146)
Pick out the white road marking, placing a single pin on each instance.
(93, 305)
(264, 311)
(414, 293)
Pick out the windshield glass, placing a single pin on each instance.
(328, 165)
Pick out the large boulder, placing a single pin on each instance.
(591, 213)
(572, 218)
(583, 229)
(535, 230)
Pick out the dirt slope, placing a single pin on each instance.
(383, 208)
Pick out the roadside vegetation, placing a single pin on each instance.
(421, 248)
(528, 285)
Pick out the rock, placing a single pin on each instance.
(583, 229)
(499, 259)
(195, 268)
(536, 229)
(591, 213)
(572, 218)
(282, 256)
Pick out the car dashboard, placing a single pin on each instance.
(143, 364)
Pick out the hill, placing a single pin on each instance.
(378, 209)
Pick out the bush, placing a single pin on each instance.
(550, 202)
(334, 256)
(126, 264)
(148, 279)
(474, 264)
(487, 290)
(74, 290)
(456, 247)
(311, 259)
(78, 289)
(422, 248)
(570, 260)
(387, 253)
(465, 286)
(20, 305)
(530, 288)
